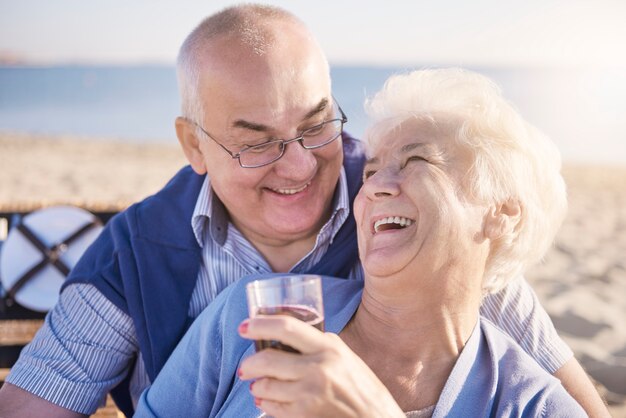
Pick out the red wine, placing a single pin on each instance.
(303, 313)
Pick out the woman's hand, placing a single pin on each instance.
(326, 380)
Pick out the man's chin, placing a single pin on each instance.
(296, 226)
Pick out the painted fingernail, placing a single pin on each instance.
(257, 402)
(243, 327)
(239, 372)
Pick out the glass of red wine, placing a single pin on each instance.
(299, 296)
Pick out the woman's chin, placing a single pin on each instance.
(381, 267)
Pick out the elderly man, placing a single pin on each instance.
(270, 188)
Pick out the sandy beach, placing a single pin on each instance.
(581, 283)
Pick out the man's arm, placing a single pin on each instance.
(517, 311)
(84, 349)
(577, 383)
(16, 402)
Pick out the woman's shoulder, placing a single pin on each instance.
(521, 386)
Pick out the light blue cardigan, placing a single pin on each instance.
(492, 377)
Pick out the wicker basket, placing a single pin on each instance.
(18, 331)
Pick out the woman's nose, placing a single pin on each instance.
(383, 183)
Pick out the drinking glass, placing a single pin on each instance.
(299, 296)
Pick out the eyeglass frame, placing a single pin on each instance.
(282, 142)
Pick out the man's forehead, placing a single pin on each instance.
(259, 93)
(269, 47)
(267, 118)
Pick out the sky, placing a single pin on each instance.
(535, 33)
(585, 35)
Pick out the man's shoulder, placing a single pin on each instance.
(181, 189)
(164, 216)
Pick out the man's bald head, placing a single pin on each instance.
(252, 30)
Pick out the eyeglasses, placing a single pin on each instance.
(253, 156)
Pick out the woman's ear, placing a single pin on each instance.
(502, 219)
(186, 133)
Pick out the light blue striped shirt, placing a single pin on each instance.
(87, 345)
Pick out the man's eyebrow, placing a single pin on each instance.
(372, 160)
(321, 106)
(244, 124)
(259, 127)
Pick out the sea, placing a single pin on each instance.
(582, 110)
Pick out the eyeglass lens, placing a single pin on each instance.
(311, 138)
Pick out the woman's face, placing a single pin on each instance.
(413, 214)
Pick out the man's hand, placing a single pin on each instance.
(18, 403)
(577, 383)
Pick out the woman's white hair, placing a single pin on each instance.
(249, 24)
(513, 161)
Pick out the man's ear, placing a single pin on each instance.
(186, 133)
(502, 219)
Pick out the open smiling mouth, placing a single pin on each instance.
(392, 222)
(290, 191)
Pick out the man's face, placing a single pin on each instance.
(274, 96)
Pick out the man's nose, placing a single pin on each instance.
(296, 161)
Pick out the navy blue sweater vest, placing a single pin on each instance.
(146, 262)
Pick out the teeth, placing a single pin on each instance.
(403, 222)
(291, 191)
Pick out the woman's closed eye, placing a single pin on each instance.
(368, 173)
(413, 158)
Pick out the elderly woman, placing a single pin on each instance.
(459, 195)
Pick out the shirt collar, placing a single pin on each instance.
(210, 212)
